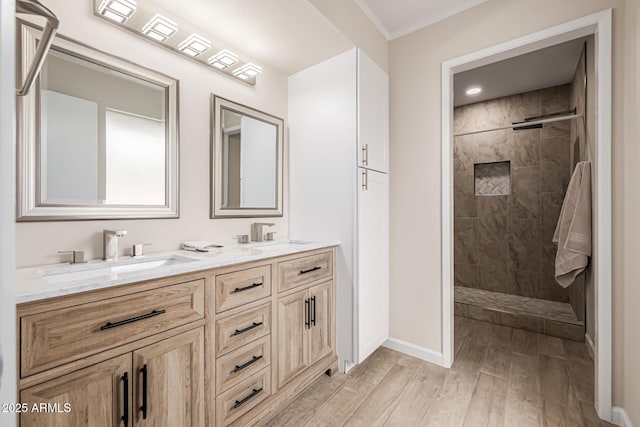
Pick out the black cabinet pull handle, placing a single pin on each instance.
(253, 360)
(307, 314)
(313, 319)
(110, 325)
(254, 393)
(246, 288)
(309, 270)
(143, 408)
(248, 328)
(125, 389)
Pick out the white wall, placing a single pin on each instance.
(196, 85)
(631, 337)
(7, 212)
(415, 69)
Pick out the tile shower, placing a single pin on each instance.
(508, 191)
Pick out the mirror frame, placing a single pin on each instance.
(28, 206)
(217, 210)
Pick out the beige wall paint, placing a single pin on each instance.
(347, 16)
(631, 338)
(38, 243)
(415, 71)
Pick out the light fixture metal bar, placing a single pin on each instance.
(33, 7)
(523, 124)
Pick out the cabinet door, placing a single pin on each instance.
(321, 339)
(169, 386)
(95, 396)
(373, 114)
(372, 292)
(293, 339)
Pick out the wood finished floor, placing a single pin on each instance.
(501, 377)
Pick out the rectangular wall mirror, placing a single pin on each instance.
(247, 161)
(97, 137)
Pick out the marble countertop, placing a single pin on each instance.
(48, 281)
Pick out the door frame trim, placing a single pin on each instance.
(599, 25)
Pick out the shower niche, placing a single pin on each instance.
(492, 179)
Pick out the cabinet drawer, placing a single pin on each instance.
(240, 329)
(240, 364)
(61, 336)
(242, 287)
(237, 401)
(304, 270)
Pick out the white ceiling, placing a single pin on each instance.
(540, 69)
(288, 35)
(396, 18)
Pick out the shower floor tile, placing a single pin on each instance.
(532, 314)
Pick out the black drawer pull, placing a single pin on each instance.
(253, 360)
(110, 325)
(313, 311)
(254, 393)
(248, 328)
(246, 288)
(309, 270)
(144, 406)
(125, 390)
(307, 314)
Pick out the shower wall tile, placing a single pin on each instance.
(494, 279)
(493, 146)
(465, 236)
(524, 244)
(555, 166)
(525, 283)
(492, 232)
(503, 243)
(466, 275)
(465, 201)
(526, 147)
(522, 106)
(465, 153)
(550, 206)
(525, 193)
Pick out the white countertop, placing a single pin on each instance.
(37, 283)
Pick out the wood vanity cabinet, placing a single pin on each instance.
(304, 330)
(131, 356)
(229, 346)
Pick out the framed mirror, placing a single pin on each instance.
(247, 161)
(97, 136)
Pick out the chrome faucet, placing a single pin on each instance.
(110, 243)
(256, 230)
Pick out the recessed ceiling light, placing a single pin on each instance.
(160, 28)
(194, 45)
(117, 10)
(474, 90)
(247, 71)
(223, 59)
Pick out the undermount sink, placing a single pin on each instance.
(110, 269)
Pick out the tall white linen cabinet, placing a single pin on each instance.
(338, 165)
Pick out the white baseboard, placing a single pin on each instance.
(590, 346)
(620, 417)
(414, 350)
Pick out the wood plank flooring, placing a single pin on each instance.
(501, 377)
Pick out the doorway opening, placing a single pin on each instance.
(504, 181)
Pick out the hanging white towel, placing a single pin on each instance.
(573, 232)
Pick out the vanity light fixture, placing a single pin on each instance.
(194, 45)
(160, 28)
(474, 90)
(117, 10)
(223, 59)
(247, 71)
